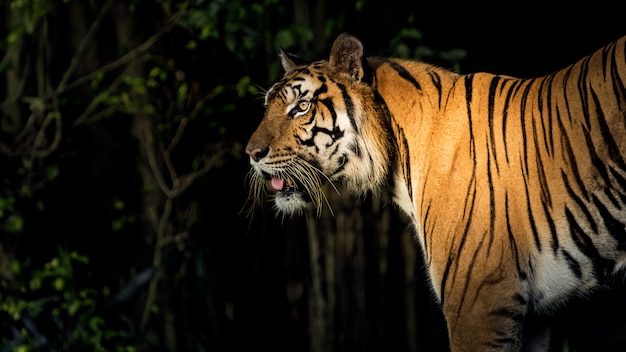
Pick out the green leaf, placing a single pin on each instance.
(453, 55)
(79, 258)
(181, 97)
(6, 204)
(95, 323)
(35, 283)
(148, 109)
(423, 51)
(14, 224)
(117, 224)
(138, 86)
(118, 204)
(52, 172)
(58, 284)
(411, 33)
(242, 86)
(74, 307)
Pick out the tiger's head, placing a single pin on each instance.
(322, 123)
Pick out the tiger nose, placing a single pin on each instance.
(256, 153)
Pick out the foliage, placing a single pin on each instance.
(10, 220)
(48, 308)
(147, 95)
(410, 37)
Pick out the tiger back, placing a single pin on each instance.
(516, 188)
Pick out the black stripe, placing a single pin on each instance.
(404, 73)
(330, 106)
(349, 106)
(572, 264)
(543, 180)
(470, 269)
(342, 165)
(507, 313)
(444, 279)
(512, 241)
(492, 202)
(522, 115)
(436, 81)
(579, 202)
(602, 266)
(582, 85)
(596, 160)
(334, 135)
(468, 217)
(619, 86)
(322, 89)
(468, 98)
(492, 96)
(401, 140)
(571, 159)
(429, 255)
(607, 138)
(356, 149)
(531, 217)
(607, 52)
(305, 71)
(566, 76)
(520, 299)
(403, 151)
(456, 254)
(614, 226)
(579, 237)
(552, 109)
(608, 192)
(545, 112)
(505, 111)
(620, 181)
(555, 238)
(501, 342)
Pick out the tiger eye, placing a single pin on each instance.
(303, 105)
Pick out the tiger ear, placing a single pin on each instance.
(346, 56)
(290, 61)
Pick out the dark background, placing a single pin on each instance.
(122, 176)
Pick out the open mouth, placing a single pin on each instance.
(291, 194)
(287, 187)
(283, 185)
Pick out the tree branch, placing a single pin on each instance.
(131, 55)
(84, 45)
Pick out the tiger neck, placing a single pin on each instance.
(411, 92)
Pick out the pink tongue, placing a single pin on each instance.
(278, 183)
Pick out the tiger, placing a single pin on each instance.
(515, 188)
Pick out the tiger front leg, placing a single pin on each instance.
(486, 316)
(482, 326)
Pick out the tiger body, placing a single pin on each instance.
(516, 188)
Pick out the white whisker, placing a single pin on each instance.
(326, 177)
(313, 184)
(298, 173)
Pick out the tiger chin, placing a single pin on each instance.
(516, 187)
